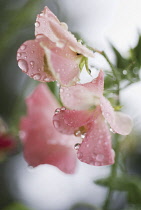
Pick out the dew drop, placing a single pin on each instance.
(38, 36)
(23, 65)
(56, 123)
(46, 79)
(124, 72)
(63, 108)
(64, 25)
(83, 135)
(23, 47)
(60, 44)
(36, 77)
(57, 110)
(32, 51)
(32, 63)
(100, 157)
(77, 146)
(37, 24)
(112, 130)
(77, 133)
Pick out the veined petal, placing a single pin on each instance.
(69, 121)
(119, 122)
(31, 59)
(42, 143)
(83, 96)
(96, 147)
(63, 63)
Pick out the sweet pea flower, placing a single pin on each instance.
(89, 115)
(43, 144)
(55, 54)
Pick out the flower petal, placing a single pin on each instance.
(49, 25)
(119, 122)
(69, 121)
(42, 143)
(30, 57)
(83, 96)
(96, 147)
(63, 63)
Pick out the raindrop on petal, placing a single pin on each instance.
(37, 24)
(23, 47)
(112, 130)
(23, 65)
(36, 77)
(77, 133)
(83, 135)
(57, 110)
(77, 146)
(100, 157)
(63, 108)
(19, 54)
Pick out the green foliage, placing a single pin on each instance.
(84, 206)
(127, 183)
(16, 206)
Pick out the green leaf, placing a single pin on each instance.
(136, 53)
(82, 63)
(127, 183)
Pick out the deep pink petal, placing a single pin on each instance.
(83, 96)
(30, 57)
(69, 121)
(7, 142)
(96, 147)
(42, 143)
(119, 122)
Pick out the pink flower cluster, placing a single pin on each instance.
(79, 129)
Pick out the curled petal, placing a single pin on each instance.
(49, 25)
(31, 59)
(83, 96)
(96, 147)
(69, 121)
(119, 122)
(42, 143)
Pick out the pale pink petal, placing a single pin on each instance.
(69, 121)
(96, 147)
(83, 96)
(49, 25)
(63, 63)
(42, 143)
(42, 24)
(119, 122)
(30, 57)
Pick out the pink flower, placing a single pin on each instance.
(7, 143)
(89, 111)
(42, 143)
(55, 54)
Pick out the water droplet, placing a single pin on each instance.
(23, 65)
(37, 24)
(77, 133)
(32, 51)
(83, 135)
(32, 63)
(77, 146)
(36, 77)
(112, 130)
(57, 110)
(19, 54)
(100, 157)
(56, 123)
(58, 85)
(63, 108)
(25, 57)
(64, 25)
(23, 47)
